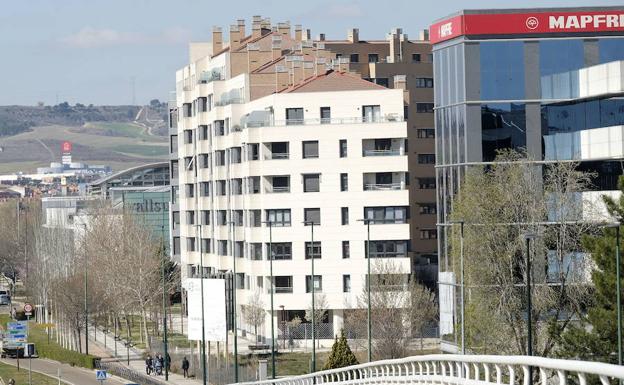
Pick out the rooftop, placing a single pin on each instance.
(333, 81)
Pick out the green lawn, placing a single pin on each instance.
(119, 129)
(21, 378)
(147, 151)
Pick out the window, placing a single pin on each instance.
(235, 155)
(221, 217)
(222, 247)
(344, 182)
(371, 113)
(281, 251)
(174, 169)
(313, 250)
(318, 283)
(427, 208)
(237, 217)
(424, 107)
(312, 216)
(253, 151)
(255, 250)
(204, 160)
(189, 190)
(354, 58)
(387, 249)
(239, 249)
(190, 244)
(253, 185)
(206, 245)
(294, 116)
(280, 184)
(188, 136)
(386, 214)
(173, 143)
(416, 58)
(190, 217)
(344, 216)
(255, 218)
(381, 81)
(278, 217)
(188, 163)
(176, 245)
(503, 126)
(204, 189)
(429, 234)
(175, 194)
(426, 183)
(220, 187)
(311, 182)
(236, 186)
(283, 284)
(205, 217)
(424, 82)
(279, 150)
(175, 216)
(310, 149)
(343, 148)
(425, 133)
(204, 132)
(203, 104)
(219, 127)
(346, 252)
(325, 115)
(502, 70)
(426, 158)
(373, 58)
(220, 157)
(346, 283)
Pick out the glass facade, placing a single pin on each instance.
(502, 70)
(503, 125)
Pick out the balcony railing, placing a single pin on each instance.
(279, 189)
(382, 152)
(207, 77)
(382, 186)
(279, 155)
(227, 102)
(283, 290)
(325, 121)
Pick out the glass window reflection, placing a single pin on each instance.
(611, 50)
(560, 61)
(502, 70)
(503, 126)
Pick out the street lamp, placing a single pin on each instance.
(201, 288)
(311, 224)
(462, 287)
(367, 222)
(164, 298)
(233, 223)
(616, 226)
(528, 237)
(86, 286)
(270, 224)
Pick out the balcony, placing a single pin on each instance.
(390, 118)
(384, 181)
(383, 186)
(227, 102)
(383, 147)
(283, 290)
(277, 184)
(276, 150)
(210, 76)
(382, 152)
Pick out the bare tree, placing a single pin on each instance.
(254, 312)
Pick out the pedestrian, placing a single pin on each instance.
(168, 362)
(148, 365)
(157, 365)
(13, 313)
(185, 366)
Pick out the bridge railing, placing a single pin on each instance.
(443, 369)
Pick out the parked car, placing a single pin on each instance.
(5, 299)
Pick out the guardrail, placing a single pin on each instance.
(450, 369)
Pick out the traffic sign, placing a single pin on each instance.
(28, 308)
(100, 375)
(19, 325)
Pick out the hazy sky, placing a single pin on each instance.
(89, 51)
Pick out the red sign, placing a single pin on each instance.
(527, 24)
(67, 147)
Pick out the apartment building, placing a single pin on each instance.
(275, 127)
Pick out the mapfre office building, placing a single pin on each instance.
(548, 81)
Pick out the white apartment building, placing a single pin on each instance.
(330, 149)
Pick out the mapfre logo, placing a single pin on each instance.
(446, 29)
(532, 22)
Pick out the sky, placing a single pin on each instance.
(99, 51)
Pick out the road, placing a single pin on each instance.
(70, 375)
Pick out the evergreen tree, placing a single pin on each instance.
(341, 354)
(595, 338)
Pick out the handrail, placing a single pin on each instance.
(455, 369)
(323, 121)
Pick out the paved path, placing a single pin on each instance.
(69, 374)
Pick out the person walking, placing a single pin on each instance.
(158, 365)
(148, 365)
(168, 362)
(185, 366)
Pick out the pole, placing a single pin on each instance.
(115, 339)
(167, 363)
(29, 355)
(86, 304)
(529, 310)
(201, 287)
(313, 305)
(368, 288)
(618, 296)
(272, 290)
(234, 302)
(463, 287)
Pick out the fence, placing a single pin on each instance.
(129, 374)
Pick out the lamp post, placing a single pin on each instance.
(367, 222)
(201, 288)
(462, 288)
(311, 224)
(270, 256)
(233, 223)
(164, 298)
(86, 286)
(528, 238)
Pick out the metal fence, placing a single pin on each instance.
(129, 374)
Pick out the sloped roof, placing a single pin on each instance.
(333, 81)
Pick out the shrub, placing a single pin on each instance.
(341, 354)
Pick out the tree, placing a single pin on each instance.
(253, 311)
(341, 354)
(499, 204)
(595, 337)
(319, 314)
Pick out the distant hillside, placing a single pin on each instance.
(18, 119)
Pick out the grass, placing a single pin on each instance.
(50, 349)
(118, 129)
(21, 377)
(137, 149)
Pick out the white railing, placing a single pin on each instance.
(323, 121)
(382, 152)
(382, 186)
(450, 369)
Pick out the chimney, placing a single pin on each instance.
(297, 68)
(284, 28)
(321, 37)
(234, 37)
(307, 35)
(265, 26)
(217, 40)
(298, 33)
(395, 45)
(241, 28)
(255, 26)
(424, 35)
(353, 35)
(308, 69)
(276, 46)
(320, 67)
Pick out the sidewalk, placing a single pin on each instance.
(136, 358)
